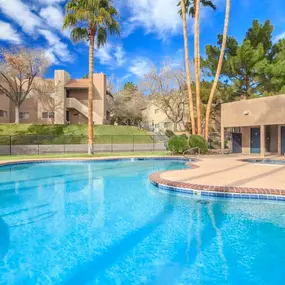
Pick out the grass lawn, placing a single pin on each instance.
(73, 134)
(77, 155)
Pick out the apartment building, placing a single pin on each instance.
(156, 120)
(257, 125)
(67, 103)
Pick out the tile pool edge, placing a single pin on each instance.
(97, 159)
(216, 191)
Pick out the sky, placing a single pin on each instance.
(151, 33)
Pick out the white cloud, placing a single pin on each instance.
(53, 16)
(104, 54)
(50, 2)
(111, 55)
(21, 14)
(120, 55)
(56, 46)
(160, 17)
(140, 66)
(279, 37)
(8, 33)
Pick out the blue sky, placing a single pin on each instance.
(151, 32)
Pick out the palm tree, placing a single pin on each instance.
(90, 20)
(219, 67)
(193, 9)
(187, 66)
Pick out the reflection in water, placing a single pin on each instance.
(219, 241)
(4, 239)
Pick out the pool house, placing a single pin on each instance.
(256, 126)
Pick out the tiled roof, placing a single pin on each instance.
(77, 83)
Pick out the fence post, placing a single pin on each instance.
(10, 145)
(111, 143)
(153, 143)
(133, 143)
(63, 143)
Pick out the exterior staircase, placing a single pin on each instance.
(73, 103)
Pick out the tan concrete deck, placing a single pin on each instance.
(228, 171)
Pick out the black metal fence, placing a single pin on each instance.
(41, 144)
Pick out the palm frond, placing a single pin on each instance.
(79, 34)
(101, 37)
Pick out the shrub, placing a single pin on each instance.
(184, 136)
(169, 133)
(177, 144)
(198, 141)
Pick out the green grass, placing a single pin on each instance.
(78, 155)
(70, 134)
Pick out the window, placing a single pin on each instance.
(3, 114)
(167, 125)
(24, 115)
(46, 115)
(156, 111)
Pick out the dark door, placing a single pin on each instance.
(67, 116)
(236, 143)
(255, 140)
(282, 140)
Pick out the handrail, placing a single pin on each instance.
(190, 149)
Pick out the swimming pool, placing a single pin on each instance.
(104, 223)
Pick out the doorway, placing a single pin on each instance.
(255, 140)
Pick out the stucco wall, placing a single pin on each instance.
(245, 131)
(254, 112)
(5, 106)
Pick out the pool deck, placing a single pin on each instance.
(227, 174)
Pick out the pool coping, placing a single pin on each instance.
(215, 190)
(91, 159)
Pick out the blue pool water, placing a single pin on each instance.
(104, 223)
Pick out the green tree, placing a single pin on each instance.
(90, 20)
(246, 66)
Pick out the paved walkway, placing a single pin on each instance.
(229, 171)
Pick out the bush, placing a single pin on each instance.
(184, 136)
(177, 144)
(169, 133)
(198, 141)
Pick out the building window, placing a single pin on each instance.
(46, 115)
(156, 111)
(167, 125)
(3, 114)
(24, 115)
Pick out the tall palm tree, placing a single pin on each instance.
(193, 9)
(90, 20)
(219, 67)
(187, 66)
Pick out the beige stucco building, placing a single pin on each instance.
(155, 119)
(67, 103)
(257, 125)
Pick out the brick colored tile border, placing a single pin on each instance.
(216, 191)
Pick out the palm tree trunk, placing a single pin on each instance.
(219, 67)
(197, 65)
(187, 66)
(90, 95)
(17, 114)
